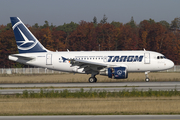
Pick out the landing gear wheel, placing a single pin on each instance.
(146, 74)
(147, 79)
(92, 79)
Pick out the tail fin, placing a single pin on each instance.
(25, 40)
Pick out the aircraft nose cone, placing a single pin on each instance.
(171, 64)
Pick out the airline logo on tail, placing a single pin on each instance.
(25, 40)
(26, 44)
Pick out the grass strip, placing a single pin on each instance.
(79, 78)
(90, 106)
(98, 94)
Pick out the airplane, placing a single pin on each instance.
(114, 64)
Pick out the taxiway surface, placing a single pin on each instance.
(155, 86)
(116, 84)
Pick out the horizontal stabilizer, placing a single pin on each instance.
(20, 57)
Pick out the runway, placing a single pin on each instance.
(94, 117)
(111, 87)
(116, 84)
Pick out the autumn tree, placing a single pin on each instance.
(104, 20)
(59, 38)
(68, 29)
(144, 28)
(165, 23)
(7, 46)
(128, 38)
(83, 37)
(132, 23)
(95, 21)
(175, 24)
(116, 24)
(105, 36)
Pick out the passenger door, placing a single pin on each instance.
(146, 58)
(48, 59)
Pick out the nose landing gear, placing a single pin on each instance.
(146, 74)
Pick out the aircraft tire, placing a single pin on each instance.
(95, 79)
(147, 79)
(91, 79)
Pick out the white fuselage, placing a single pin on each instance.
(114, 64)
(134, 61)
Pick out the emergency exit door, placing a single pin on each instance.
(48, 59)
(146, 58)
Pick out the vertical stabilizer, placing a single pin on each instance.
(25, 40)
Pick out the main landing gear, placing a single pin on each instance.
(146, 74)
(93, 79)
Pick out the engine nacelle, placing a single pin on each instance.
(115, 72)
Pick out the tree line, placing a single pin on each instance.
(87, 36)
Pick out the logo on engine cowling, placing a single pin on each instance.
(119, 72)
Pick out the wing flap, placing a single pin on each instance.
(87, 65)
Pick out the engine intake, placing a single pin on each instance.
(115, 72)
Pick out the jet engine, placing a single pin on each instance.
(115, 72)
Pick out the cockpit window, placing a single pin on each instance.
(161, 57)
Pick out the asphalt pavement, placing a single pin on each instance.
(94, 117)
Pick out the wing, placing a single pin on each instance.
(88, 66)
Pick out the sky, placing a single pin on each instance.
(59, 12)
